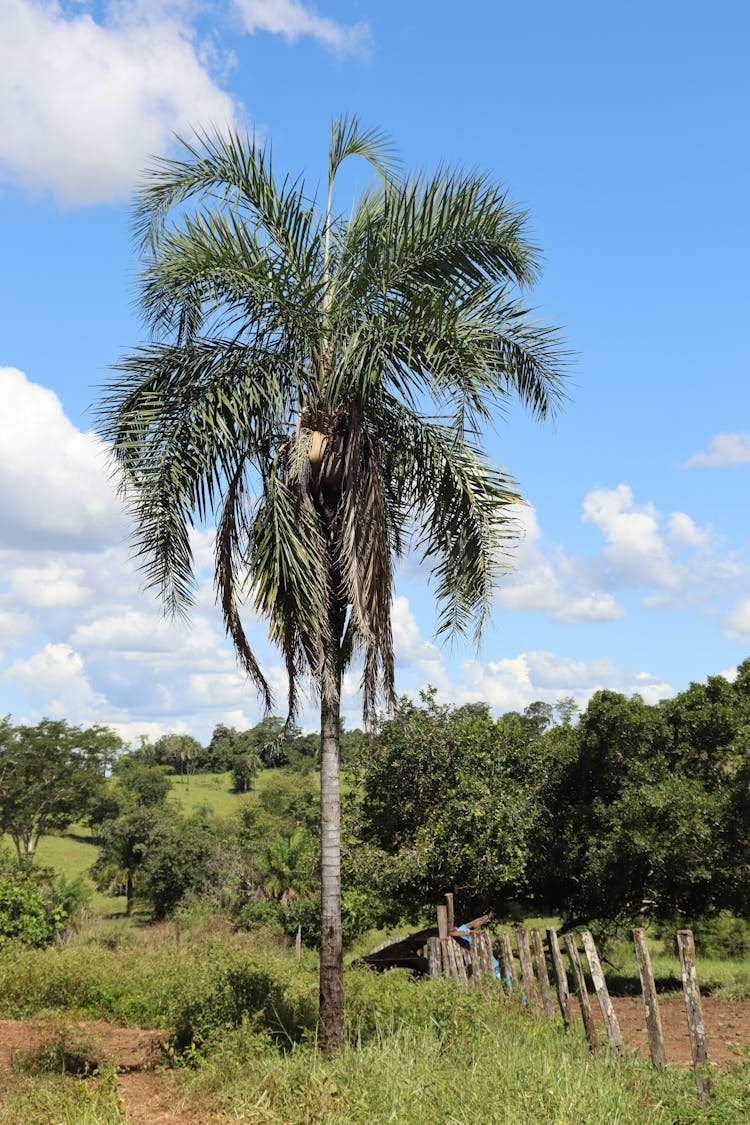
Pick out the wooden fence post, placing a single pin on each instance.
(561, 978)
(481, 957)
(694, 1010)
(449, 907)
(508, 965)
(442, 921)
(527, 971)
(542, 974)
(434, 957)
(583, 996)
(602, 994)
(650, 1002)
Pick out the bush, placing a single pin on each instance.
(719, 936)
(272, 996)
(35, 906)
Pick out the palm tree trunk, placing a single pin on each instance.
(331, 1034)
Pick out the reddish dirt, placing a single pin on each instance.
(149, 1095)
(727, 1024)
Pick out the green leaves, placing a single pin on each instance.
(388, 339)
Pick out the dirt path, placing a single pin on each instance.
(149, 1095)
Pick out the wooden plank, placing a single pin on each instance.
(650, 1002)
(561, 978)
(434, 957)
(527, 971)
(442, 921)
(474, 924)
(449, 907)
(602, 994)
(541, 973)
(583, 996)
(694, 1009)
(508, 965)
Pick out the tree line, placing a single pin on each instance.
(627, 811)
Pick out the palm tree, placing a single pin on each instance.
(318, 385)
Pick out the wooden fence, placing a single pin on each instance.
(469, 955)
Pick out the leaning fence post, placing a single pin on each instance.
(602, 994)
(527, 971)
(650, 1002)
(583, 996)
(694, 1010)
(561, 978)
(542, 974)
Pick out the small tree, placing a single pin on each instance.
(49, 775)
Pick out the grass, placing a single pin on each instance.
(417, 1051)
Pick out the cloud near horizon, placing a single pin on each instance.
(82, 641)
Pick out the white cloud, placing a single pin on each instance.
(561, 588)
(509, 685)
(55, 585)
(56, 491)
(686, 533)
(635, 551)
(293, 19)
(736, 623)
(55, 682)
(724, 449)
(83, 103)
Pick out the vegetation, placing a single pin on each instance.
(318, 385)
(49, 775)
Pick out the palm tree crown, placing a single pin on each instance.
(318, 385)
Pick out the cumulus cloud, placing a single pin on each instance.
(724, 449)
(292, 19)
(561, 588)
(83, 103)
(56, 489)
(736, 623)
(635, 551)
(510, 684)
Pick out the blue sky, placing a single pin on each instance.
(622, 129)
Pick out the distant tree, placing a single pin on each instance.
(245, 766)
(180, 751)
(179, 860)
(124, 842)
(50, 774)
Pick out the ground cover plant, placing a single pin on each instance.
(239, 1018)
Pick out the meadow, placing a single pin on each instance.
(236, 1017)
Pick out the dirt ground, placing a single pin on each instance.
(148, 1094)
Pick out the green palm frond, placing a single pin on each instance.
(319, 386)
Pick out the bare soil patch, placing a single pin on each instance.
(727, 1025)
(150, 1096)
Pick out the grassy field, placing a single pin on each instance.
(243, 1019)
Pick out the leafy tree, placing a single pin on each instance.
(178, 860)
(439, 808)
(125, 842)
(49, 776)
(319, 383)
